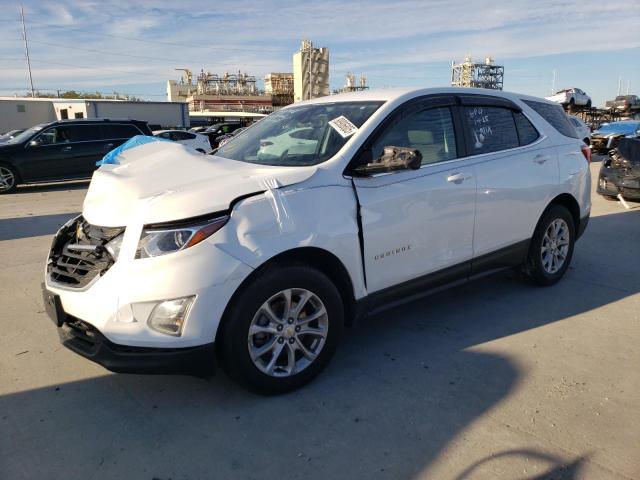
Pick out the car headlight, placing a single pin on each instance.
(168, 238)
(113, 246)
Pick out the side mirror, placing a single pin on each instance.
(392, 159)
(35, 143)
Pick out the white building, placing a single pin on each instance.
(16, 112)
(310, 72)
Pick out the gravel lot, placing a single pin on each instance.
(496, 379)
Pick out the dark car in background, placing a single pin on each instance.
(5, 137)
(620, 172)
(606, 137)
(218, 130)
(62, 150)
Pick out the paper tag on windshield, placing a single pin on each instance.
(343, 126)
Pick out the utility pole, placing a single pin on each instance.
(553, 82)
(619, 84)
(26, 49)
(628, 81)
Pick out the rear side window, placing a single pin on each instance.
(491, 129)
(554, 114)
(527, 133)
(121, 131)
(84, 133)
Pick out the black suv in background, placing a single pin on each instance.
(217, 131)
(62, 150)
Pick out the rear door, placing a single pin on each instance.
(420, 221)
(89, 145)
(517, 174)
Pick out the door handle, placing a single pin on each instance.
(458, 178)
(66, 149)
(108, 146)
(540, 159)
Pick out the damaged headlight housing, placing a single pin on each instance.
(157, 240)
(114, 245)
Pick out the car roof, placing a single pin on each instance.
(387, 95)
(90, 120)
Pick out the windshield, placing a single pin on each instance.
(28, 133)
(298, 136)
(620, 127)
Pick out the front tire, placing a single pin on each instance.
(282, 329)
(8, 179)
(551, 247)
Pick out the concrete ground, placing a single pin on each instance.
(497, 379)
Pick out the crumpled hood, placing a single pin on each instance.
(162, 181)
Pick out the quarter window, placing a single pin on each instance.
(527, 133)
(491, 129)
(429, 131)
(554, 114)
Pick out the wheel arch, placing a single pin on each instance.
(6, 163)
(570, 203)
(315, 257)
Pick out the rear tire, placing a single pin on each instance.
(589, 104)
(8, 179)
(270, 316)
(551, 246)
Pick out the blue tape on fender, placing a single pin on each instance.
(112, 156)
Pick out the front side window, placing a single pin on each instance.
(299, 135)
(429, 131)
(491, 129)
(54, 136)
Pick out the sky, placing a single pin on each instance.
(134, 47)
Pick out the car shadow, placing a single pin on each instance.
(402, 387)
(34, 226)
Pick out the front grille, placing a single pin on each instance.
(78, 253)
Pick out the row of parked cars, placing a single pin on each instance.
(576, 97)
(69, 149)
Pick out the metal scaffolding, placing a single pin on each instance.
(479, 75)
(226, 84)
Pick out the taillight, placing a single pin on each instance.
(586, 151)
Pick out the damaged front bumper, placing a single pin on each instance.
(107, 319)
(84, 339)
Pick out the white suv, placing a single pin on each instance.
(197, 141)
(261, 260)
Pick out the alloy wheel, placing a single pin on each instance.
(555, 246)
(7, 179)
(288, 332)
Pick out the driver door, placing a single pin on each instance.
(49, 155)
(418, 222)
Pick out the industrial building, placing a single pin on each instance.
(219, 96)
(479, 75)
(17, 112)
(310, 72)
(350, 84)
(280, 87)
